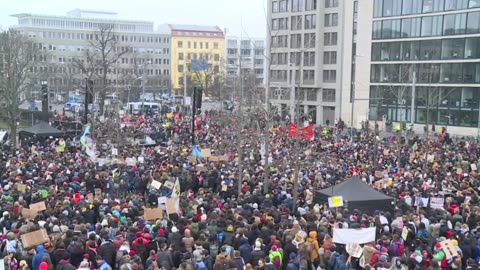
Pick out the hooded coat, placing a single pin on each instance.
(312, 240)
(37, 259)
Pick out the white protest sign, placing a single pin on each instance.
(437, 203)
(355, 236)
(336, 201)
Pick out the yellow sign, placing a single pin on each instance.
(336, 201)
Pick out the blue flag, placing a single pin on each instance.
(196, 152)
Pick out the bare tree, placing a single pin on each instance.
(100, 58)
(17, 57)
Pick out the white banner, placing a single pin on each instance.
(437, 203)
(354, 236)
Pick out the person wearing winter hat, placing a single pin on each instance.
(256, 254)
(84, 266)
(276, 257)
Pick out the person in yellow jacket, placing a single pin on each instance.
(313, 242)
(276, 257)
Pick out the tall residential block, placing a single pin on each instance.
(197, 57)
(245, 67)
(313, 41)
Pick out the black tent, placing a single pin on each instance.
(357, 195)
(41, 129)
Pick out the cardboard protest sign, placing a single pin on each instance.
(336, 201)
(152, 213)
(449, 249)
(437, 203)
(473, 167)
(21, 188)
(98, 194)
(206, 153)
(171, 206)
(33, 239)
(168, 184)
(192, 159)
(201, 169)
(28, 213)
(222, 158)
(156, 184)
(224, 187)
(214, 158)
(38, 207)
(379, 174)
(354, 250)
(131, 161)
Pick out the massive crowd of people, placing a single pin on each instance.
(237, 212)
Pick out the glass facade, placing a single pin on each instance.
(437, 42)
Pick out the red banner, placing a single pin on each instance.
(304, 133)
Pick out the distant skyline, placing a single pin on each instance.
(240, 18)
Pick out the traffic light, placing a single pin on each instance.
(45, 98)
(197, 96)
(89, 92)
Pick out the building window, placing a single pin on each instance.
(309, 40)
(310, 5)
(331, 19)
(309, 59)
(215, 45)
(329, 76)
(310, 21)
(377, 30)
(296, 41)
(377, 8)
(180, 56)
(295, 58)
(432, 26)
(330, 58)
(453, 48)
(411, 27)
(297, 5)
(180, 68)
(392, 8)
(454, 24)
(283, 5)
(432, 5)
(296, 22)
(412, 7)
(391, 29)
(456, 4)
(194, 45)
(216, 57)
(474, 4)
(330, 38)
(473, 22)
(331, 3)
(308, 76)
(328, 95)
(275, 24)
(216, 69)
(189, 45)
(275, 7)
(201, 45)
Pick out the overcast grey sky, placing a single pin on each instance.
(238, 16)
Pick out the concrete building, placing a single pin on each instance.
(432, 44)
(245, 58)
(313, 41)
(202, 45)
(64, 38)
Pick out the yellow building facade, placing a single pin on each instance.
(197, 44)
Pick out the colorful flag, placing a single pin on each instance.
(88, 144)
(141, 119)
(196, 152)
(304, 133)
(169, 115)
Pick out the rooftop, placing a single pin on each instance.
(193, 28)
(23, 15)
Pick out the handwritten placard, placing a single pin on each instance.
(206, 153)
(33, 239)
(153, 213)
(28, 213)
(156, 184)
(38, 207)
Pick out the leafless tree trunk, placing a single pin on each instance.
(17, 57)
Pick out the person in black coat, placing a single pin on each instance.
(108, 251)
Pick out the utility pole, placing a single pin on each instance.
(412, 109)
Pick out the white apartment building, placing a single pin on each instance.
(314, 41)
(245, 57)
(64, 38)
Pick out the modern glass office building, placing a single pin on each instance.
(434, 45)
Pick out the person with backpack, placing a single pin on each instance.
(275, 257)
(257, 254)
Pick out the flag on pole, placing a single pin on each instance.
(196, 152)
(304, 133)
(88, 144)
